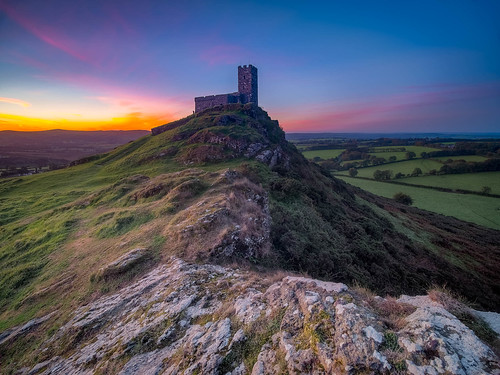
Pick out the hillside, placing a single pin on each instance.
(219, 187)
(59, 147)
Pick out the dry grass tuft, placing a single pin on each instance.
(392, 312)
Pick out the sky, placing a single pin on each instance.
(323, 66)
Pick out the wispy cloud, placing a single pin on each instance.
(20, 102)
(418, 108)
(44, 32)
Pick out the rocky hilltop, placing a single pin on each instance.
(183, 318)
(214, 247)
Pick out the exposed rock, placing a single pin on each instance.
(273, 157)
(452, 346)
(205, 319)
(124, 263)
(492, 318)
(233, 221)
(13, 333)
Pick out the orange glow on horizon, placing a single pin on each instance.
(131, 121)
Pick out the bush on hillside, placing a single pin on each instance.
(403, 198)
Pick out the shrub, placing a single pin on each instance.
(403, 198)
(416, 172)
(410, 155)
(353, 172)
(485, 190)
(382, 175)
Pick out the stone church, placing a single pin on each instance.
(247, 91)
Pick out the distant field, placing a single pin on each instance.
(464, 157)
(383, 152)
(351, 161)
(323, 154)
(405, 167)
(466, 181)
(469, 207)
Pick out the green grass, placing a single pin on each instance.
(405, 167)
(400, 155)
(124, 223)
(469, 207)
(465, 181)
(323, 154)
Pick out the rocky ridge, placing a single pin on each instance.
(183, 318)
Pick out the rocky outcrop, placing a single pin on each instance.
(232, 221)
(252, 135)
(206, 319)
(123, 264)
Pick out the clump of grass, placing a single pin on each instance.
(203, 319)
(257, 334)
(393, 352)
(390, 342)
(392, 312)
(124, 223)
(105, 217)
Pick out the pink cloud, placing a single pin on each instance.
(99, 46)
(28, 61)
(43, 32)
(22, 103)
(417, 107)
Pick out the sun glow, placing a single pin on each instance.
(132, 121)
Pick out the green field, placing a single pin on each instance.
(405, 167)
(476, 158)
(466, 181)
(383, 152)
(380, 152)
(323, 154)
(469, 207)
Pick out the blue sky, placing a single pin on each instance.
(357, 66)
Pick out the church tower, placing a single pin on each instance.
(247, 84)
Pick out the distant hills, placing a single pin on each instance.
(464, 136)
(58, 147)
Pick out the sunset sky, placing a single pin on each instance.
(332, 66)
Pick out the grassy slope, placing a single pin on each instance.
(476, 209)
(44, 227)
(59, 227)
